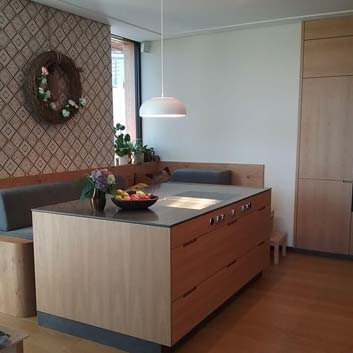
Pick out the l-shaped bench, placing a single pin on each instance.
(17, 283)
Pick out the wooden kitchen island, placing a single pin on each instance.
(140, 281)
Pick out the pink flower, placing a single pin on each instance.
(45, 71)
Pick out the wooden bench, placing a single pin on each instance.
(17, 285)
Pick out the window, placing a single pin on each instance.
(126, 85)
(118, 63)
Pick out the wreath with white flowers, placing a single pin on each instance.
(52, 75)
(44, 94)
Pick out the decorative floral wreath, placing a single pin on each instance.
(39, 96)
(44, 94)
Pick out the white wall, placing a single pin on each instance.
(241, 89)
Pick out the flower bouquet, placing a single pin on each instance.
(96, 186)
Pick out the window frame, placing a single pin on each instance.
(132, 50)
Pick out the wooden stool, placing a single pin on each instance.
(16, 341)
(17, 288)
(278, 239)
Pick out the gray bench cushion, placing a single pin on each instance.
(206, 176)
(16, 203)
(24, 233)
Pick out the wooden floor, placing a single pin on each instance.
(304, 305)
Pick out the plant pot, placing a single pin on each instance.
(98, 201)
(139, 158)
(123, 160)
(149, 156)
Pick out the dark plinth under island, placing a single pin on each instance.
(142, 280)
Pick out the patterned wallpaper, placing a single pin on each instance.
(32, 147)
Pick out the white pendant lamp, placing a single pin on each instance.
(162, 107)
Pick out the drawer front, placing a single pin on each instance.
(185, 232)
(253, 204)
(201, 258)
(188, 231)
(192, 308)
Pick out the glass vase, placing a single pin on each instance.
(98, 201)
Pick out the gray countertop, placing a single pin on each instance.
(178, 202)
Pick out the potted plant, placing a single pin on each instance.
(149, 153)
(122, 145)
(138, 152)
(96, 185)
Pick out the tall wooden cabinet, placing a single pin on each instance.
(326, 139)
(324, 215)
(325, 168)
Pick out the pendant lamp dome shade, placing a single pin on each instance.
(160, 107)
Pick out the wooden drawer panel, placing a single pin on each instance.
(188, 231)
(328, 57)
(256, 203)
(200, 259)
(191, 309)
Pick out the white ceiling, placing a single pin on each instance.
(140, 19)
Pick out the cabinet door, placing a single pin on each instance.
(324, 216)
(329, 27)
(328, 57)
(351, 248)
(326, 142)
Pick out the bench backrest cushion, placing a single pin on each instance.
(16, 203)
(207, 176)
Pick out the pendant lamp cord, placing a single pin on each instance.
(162, 47)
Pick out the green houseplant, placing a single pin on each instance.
(149, 153)
(122, 145)
(138, 151)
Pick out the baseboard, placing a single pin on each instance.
(99, 335)
(319, 253)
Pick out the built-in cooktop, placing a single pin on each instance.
(207, 195)
(195, 200)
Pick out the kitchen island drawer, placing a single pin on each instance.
(192, 308)
(253, 204)
(188, 231)
(204, 256)
(183, 233)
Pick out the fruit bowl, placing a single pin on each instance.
(134, 205)
(130, 200)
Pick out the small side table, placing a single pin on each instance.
(16, 340)
(278, 239)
